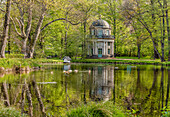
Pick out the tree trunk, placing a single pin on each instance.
(156, 56)
(139, 48)
(37, 32)
(61, 54)
(168, 31)
(9, 39)
(28, 29)
(114, 32)
(84, 40)
(163, 37)
(156, 46)
(5, 29)
(162, 23)
(25, 30)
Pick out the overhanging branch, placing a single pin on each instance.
(57, 20)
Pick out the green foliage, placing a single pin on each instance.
(97, 110)
(14, 55)
(10, 112)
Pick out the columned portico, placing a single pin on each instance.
(101, 42)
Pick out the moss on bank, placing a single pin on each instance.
(117, 61)
(107, 109)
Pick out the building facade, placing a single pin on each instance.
(101, 42)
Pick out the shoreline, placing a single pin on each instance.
(7, 65)
(123, 61)
(17, 65)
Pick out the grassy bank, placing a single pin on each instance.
(107, 109)
(10, 63)
(122, 61)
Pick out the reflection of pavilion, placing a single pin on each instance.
(103, 78)
(67, 67)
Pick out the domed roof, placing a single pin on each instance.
(100, 23)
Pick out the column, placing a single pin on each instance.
(113, 48)
(96, 48)
(106, 76)
(104, 48)
(93, 48)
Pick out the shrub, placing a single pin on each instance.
(107, 109)
(9, 112)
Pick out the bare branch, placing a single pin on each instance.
(22, 28)
(15, 27)
(18, 22)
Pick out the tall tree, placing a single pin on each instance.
(25, 27)
(131, 11)
(86, 8)
(168, 30)
(37, 31)
(162, 25)
(5, 29)
(155, 39)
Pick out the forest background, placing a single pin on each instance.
(56, 28)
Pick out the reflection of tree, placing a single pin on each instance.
(114, 90)
(138, 85)
(5, 94)
(162, 86)
(168, 85)
(38, 95)
(84, 87)
(152, 89)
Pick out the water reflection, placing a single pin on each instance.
(52, 92)
(102, 83)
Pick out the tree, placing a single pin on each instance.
(25, 27)
(37, 31)
(168, 30)
(140, 16)
(86, 8)
(5, 29)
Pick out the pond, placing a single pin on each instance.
(54, 90)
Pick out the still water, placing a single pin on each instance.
(143, 90)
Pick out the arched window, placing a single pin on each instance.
(92, 32)
(100, 32)
(107, 32)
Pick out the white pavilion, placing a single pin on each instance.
(101, 42)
